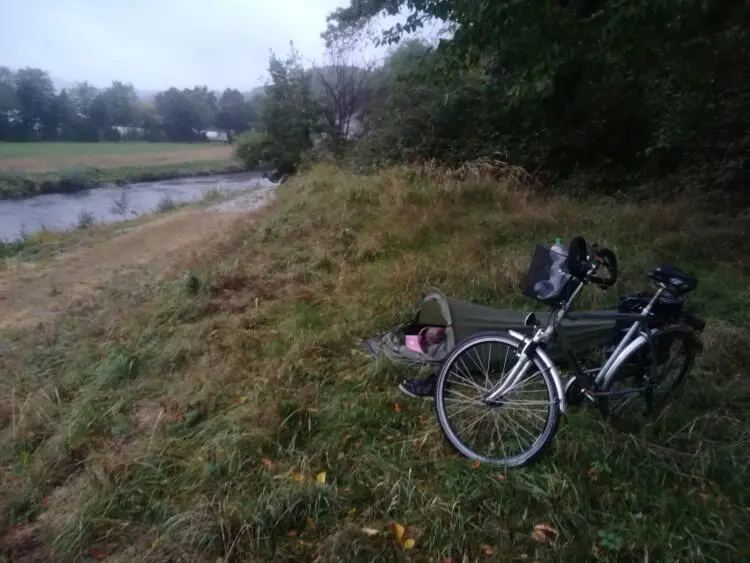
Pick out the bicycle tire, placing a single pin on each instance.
(444, 419)
(657, 403)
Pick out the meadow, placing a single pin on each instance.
(28, 169)
(217, 405)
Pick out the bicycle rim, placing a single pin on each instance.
(511, 432)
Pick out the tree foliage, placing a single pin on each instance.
(291, 117)
(343, 89)
(621, 87)
(31, 110)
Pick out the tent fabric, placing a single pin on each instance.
(463, 319)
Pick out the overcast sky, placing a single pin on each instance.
(160, 43)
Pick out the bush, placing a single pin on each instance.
(85, 219)
(165, 204)
(252, 148)
(258, 150)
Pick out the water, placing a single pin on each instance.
(110, 203)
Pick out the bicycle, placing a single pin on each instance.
(646, 327)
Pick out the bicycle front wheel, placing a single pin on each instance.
(510, 431)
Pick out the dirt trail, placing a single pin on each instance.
(32, 292)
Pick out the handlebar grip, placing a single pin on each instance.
(578, 265)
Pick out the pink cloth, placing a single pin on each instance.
(412, 342)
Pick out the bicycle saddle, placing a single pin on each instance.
(673, 277)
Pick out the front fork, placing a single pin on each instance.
(516, 373)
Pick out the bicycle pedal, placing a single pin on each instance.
(574, 393)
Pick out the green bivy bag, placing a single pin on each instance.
(441, 322)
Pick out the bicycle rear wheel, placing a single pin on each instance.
(511, 431)
(637, 393)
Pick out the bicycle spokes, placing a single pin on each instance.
(506, 426)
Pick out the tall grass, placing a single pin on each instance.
(230, 413)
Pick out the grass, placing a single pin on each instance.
(28, 169)
(188, 418)
(71, 149)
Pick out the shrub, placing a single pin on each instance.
(252, 149)
(166, 203)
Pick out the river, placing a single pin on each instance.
(111, 203)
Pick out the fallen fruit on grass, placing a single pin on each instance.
(409, 543)
(544, 533)
(321, 477)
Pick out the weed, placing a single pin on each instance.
(212, 195)
(85, 219)
(120, 204)
(166, 204)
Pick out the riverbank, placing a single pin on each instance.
(20, 219)
(208, 398)
(45, 273)
(43, 243)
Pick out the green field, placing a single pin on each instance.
(227, 412)
(27, 169)
(69, 149)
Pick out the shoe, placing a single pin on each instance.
(423, 388)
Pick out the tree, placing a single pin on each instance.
(633, 88)
(233, 113)
(254, 103)
(8, 103)
(187, 113)
(147, 117)
(206, 107)
(61, 117)
(342, 86)
(84, 126)
(35, 93)
(120, 100)
(291, 115)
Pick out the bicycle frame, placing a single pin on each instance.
(628, 345)
(531, 346)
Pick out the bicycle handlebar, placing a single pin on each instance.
(585, 265)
